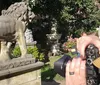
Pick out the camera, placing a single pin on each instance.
(60, 65)
(91, 53)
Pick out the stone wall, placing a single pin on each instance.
(28, 78)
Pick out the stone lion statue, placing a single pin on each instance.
(13, 23)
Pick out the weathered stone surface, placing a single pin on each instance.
(20, 11)
(28, 78)
(13, 23)
(16, 62)
(21, 69)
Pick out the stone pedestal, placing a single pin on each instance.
(28, 78)
(28, 73)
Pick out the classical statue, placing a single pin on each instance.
(13, 23)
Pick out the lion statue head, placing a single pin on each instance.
(20, 11)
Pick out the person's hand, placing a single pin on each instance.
(85, 40)
(76, 72)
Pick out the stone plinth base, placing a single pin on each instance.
(29, 76)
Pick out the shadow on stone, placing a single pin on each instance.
(50, 83)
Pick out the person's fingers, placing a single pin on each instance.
(82, 43)
(77, 66)
(81, 48)
(97, 44)
(83, 69)
(68, 80)
(72, 65)
(67, 69)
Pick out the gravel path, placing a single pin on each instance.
(54, 83)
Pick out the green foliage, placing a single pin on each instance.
(41, 56)
(71, 15)
(16, 52)
(34, 51)
(31, 50)
(79, 14)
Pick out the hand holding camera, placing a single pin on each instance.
(81, 71)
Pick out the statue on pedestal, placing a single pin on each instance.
(13, 23)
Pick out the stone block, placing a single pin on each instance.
(23, 75)
(28, 78)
